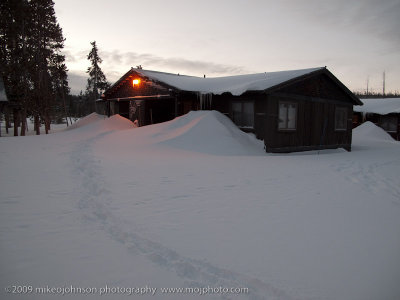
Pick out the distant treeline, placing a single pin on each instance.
(377, 95)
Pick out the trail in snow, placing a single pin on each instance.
(95, 199)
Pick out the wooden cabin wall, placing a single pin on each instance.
(358, 118)
(320, 87)
(315, 126)
(158, 111)
(187, 101)
(123, 108)
(260, 116)
(223, 104)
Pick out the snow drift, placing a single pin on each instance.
(369, 131)
(99, 122)
(208, 132)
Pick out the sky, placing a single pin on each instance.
(356, 40)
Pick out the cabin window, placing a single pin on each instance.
(389, 123)
(287, 116)
(243, 114)
(341, 118)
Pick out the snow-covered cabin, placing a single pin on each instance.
(384, 112)
(292, 110)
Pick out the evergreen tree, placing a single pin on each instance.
(97, 81)
(14, 55)
(46, 40)
(30, 59)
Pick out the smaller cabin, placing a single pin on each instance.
(383, 112)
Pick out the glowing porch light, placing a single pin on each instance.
(135, 82)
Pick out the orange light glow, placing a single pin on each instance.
(135, 82)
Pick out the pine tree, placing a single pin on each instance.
(31, 63)
(14, 55)
(46, 40)
(97, 81)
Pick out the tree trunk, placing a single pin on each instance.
(47, 122)
(65, 108)
(7, 118)
(16, 121)
(37, 124)
(23, 124)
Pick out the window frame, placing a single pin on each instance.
(345, 110)
(286, 128)
(242, 103)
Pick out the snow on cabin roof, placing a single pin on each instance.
(236, 85)
(382, 106)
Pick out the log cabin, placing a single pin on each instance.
(294, 110)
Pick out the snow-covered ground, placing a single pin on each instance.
(196, 203)
(30, 131)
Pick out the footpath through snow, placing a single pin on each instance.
(196, 203)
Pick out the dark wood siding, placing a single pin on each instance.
(315, 126)
(223, 104)
(320, 86)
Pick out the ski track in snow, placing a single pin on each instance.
(94, 200)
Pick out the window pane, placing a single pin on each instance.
(341, 118)
(248, 114)
(282, 116)
(292, 112)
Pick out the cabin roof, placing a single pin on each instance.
(382, 106)
(236, 85)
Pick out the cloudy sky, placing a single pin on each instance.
(357, 40)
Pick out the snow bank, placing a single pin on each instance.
(93, 117)
(102, 123)
(209, 132)
(369, 131)
(116, 122)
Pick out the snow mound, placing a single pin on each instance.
(93, 117)
(98, 122)
(369, 131)
(209, 132)
(116, 122)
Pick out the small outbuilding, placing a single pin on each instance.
(293, 110)
(383, 112)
